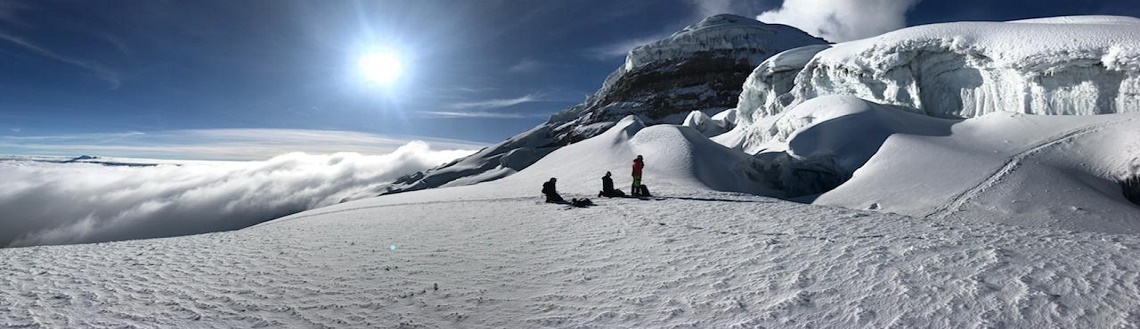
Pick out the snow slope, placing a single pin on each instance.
(1038, 171)
(492, 255)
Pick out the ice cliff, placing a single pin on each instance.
(1078, 65)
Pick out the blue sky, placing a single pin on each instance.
(149, 74)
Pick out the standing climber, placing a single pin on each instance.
(638, 164)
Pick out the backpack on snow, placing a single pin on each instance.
(644, 191)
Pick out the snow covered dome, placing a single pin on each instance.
(741, 35)
(1062, 66)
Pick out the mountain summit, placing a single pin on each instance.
(700, 68)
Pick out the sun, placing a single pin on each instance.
(380, 67)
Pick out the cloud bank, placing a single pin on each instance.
(842, 20)
(45, 203)
(215, 144)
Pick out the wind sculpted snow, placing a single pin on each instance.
(698, 259)
(1065, 65)
(1035, 171)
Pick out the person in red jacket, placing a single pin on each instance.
(638, 164)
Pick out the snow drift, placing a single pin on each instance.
(1039, 171)
(78, 202)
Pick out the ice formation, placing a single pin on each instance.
(766, 89)
(1064, 65)
(740, 37)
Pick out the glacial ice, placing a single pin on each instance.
(740, 35)
(765, 88)
(1058, 66)
(729, 35)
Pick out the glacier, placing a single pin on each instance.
(1027, 122)
(1055, 66)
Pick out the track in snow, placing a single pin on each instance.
(960, 199)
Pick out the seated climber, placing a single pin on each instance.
(551, 192)
(608, 188)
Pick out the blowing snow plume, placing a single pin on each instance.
(81, 203)
(842, 20)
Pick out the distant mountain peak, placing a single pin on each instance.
(701, 67)
(722, 20)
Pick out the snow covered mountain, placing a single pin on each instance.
(700, 68)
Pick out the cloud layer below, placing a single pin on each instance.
(47, 203)
(842, 20)
(215, 144)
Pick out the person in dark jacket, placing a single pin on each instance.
(638, 164)
(608, 188)
(551, 192)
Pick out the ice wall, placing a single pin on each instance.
(1059, 66)
(766, 89)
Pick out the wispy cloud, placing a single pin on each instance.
(15, 129)
(100, 71)
(217, 144)
(10, 12)
(481, 115)
(621, 48)
(497, 103)
(526, 65)
(842, 20)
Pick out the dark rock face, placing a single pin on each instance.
(719, 78)
(701, 68)
(661, 92)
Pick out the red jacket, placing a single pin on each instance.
(637, 165)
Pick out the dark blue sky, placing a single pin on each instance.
(477, 71)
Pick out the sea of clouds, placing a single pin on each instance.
(64, 203)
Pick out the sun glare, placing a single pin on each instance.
(380, 67)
